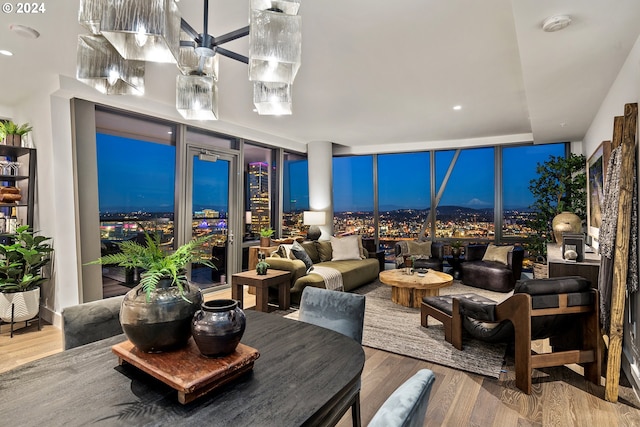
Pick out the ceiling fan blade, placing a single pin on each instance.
(236, 34)
(232, 55)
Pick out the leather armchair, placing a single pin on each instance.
(491, 275)
(563, 309)
(434, 262)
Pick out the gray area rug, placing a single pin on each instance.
(394, 328)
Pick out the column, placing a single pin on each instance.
(320, 155)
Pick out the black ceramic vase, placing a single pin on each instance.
(164, 322)
(218, 326)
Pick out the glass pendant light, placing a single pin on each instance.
(100, 66)
(290, 7)
(189, 62)
(275, 46)
(90, 14)
(146, 30)
(197, 97)
(272, 99)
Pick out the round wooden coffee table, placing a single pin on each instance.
(408, 289)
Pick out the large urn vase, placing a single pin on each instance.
(163, 322)
(565, 222)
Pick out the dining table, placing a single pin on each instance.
(305, 375)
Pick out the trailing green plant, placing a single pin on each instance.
(8, 127)
(21, 262)
(156, 262)
(267, 232)
(561, 185)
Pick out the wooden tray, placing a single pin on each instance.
(187, 370)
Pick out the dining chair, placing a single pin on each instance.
(407, 405)
(91, 321)
(342, 312)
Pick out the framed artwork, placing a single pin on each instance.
(596, 171)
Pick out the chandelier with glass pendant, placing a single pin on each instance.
(127, 33)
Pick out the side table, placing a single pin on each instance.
(261, 283)
(455, 262)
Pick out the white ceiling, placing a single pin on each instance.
(380, 73)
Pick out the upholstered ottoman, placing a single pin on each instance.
(441, 307)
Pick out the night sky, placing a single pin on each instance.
(136, 175)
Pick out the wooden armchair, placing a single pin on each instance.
(564, 309)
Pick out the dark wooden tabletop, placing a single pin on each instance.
(305, 376)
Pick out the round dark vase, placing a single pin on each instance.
(456, 252)
(164, 322)
(218, 326)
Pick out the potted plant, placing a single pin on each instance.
(262, 266)
(560, 186)
(12, 133)
(456, 248)
(265, 236)
(156, 314)
(21, 263)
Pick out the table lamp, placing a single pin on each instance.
(314, 219)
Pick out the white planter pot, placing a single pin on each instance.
(26, 305)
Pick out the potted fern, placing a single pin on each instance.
(21, 262)
(156, 314)
(12, 133)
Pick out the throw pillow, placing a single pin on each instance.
(285, 251)
(497, 253)
(345, 248)
(361, 246)
(299, 252)
(324, 250)
(419, 248)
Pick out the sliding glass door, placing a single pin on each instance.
(211, 211)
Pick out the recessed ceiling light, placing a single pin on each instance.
(457, 107)
(6, 53)
(24, 31)
(556, 23)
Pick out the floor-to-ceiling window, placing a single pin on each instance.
(295, 194)
(136, 186)
(404, 198)
(353, 196)
(518, 169)
(260, 189)
(465, 178)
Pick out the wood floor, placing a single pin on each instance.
(561, 397)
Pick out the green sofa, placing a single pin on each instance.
(355, 273)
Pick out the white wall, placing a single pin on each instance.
(625, 90)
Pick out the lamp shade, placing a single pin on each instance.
(146, 30)
(197, 97)
(272, 99)
(314, 218)
(275, 46)
(100, 66)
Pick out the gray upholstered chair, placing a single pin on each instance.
(91, 321)
(339, 311)
(407, 405)
(342, 312)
